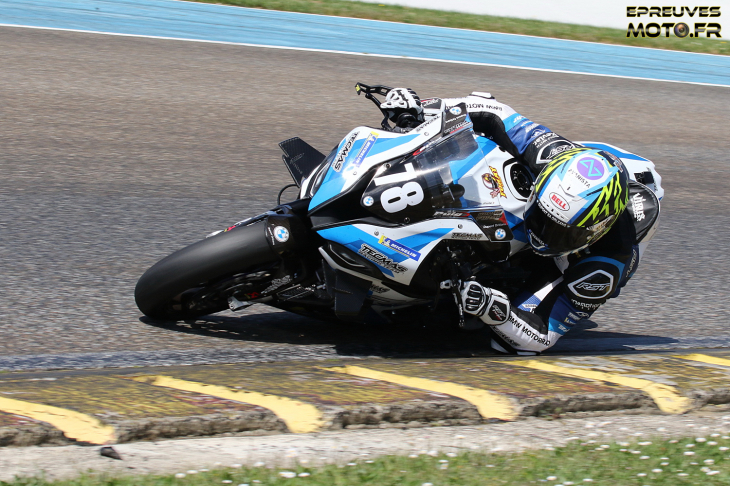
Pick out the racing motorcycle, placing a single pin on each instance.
(392, 218)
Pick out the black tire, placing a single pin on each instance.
(237, 251)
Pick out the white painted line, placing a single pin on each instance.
(468, 63)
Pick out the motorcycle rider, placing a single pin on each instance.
(584, 213)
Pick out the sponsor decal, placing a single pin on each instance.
(529, 307)
(484, 106)
(369, 142)
(526, 330)
(455, 111)
(637, 201)
(490, 215)
(536, 242)
(467, 236)
(281, 234)
(450, 214)
(591, 168)
(376, 257)
(425, 124)
(500, 234)
(276, 283)
(596, 285)
(498, 312)
(340, 159)
(400, 248)
(584, 305)
(379, 290)
(368, 201)
(634, 256)
(431, 103)
(493, 181)
(507, 338)
(555, 149)
(563, 328)
(598, 228)
(559, 202)
(550, 215)
(459, 126)
(679, 29)
(582, 315)
(545, 137)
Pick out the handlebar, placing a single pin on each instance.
(378, 89)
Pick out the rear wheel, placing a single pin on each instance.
(198, 279)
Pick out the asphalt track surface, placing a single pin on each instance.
(116, 151)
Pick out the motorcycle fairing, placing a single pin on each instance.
(398, 252)
(364, 148)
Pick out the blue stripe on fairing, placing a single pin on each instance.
(353, 238)
(385, 144)
(218, 23)
(333, 180)
(616, 152)
(422, 239)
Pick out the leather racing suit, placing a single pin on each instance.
(563, 290)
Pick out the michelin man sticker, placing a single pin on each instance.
(281, 234)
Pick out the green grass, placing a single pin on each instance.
(344, 8)
(585, 464)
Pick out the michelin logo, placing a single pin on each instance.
(400, 248)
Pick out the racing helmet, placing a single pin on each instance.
(576, 199)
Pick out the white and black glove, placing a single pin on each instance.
(402, 104)
(492, 306)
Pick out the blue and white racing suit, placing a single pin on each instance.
(562, 290)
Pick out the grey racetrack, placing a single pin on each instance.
(116, 151)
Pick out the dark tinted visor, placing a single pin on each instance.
(549, 237)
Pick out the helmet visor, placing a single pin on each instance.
(550, 237)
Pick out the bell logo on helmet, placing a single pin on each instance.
(559, 202)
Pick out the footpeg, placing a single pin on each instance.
(236, 305)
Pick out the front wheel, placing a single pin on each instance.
(198, 279)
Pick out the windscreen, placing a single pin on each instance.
(414, 188)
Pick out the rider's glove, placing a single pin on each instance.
(491, 305)
(400, 101)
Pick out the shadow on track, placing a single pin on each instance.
(407, 339)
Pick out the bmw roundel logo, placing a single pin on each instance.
(455, 110)
(500, 234)
(281, 234)
(368, 201)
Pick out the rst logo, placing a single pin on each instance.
(559, 202)
(596, 285)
